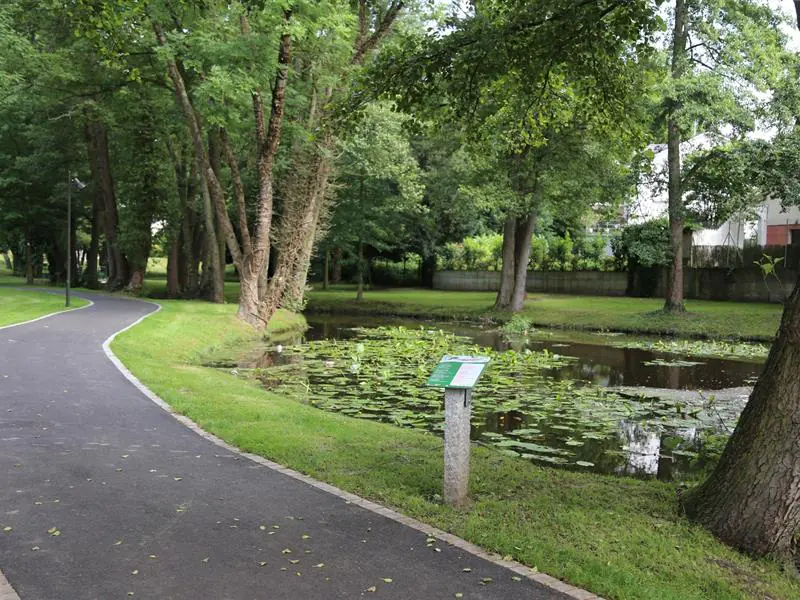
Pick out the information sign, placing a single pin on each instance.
(458, 371)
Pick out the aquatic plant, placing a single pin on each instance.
(517, 407)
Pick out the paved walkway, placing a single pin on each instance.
(107, 496)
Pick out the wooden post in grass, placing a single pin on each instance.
(457, 375)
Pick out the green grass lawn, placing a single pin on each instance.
(17, 306)
(618, 537)
(739, 320)
(704, 319)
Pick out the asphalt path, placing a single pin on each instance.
(104, 495)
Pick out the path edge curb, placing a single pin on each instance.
(453, 540)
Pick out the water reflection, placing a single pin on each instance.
(558, 415)
(596, 363)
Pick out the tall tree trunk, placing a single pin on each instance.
(752, 499)
(336, 256)
(173, 259)
(314, 187)
(522, 254)
(100, 162)
(360, 289)
(208, 182)
(90, 274)
(253, 266)
(507, 275)
(215, 161)
(28, 259)
(674, 299)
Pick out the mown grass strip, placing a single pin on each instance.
(620, 538)
(18, 306)
(703, 319)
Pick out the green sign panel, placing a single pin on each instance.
(458, 371)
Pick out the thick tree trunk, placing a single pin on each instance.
(752, 499)
(7, 261)
(522, 254)
(507, 276)
(90, 274)
(315, 186)
(674, 299)
(174, 257)
(136, 280)
(100, 162)
(253, 266)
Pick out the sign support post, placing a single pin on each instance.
(457, 375)
(457, 411)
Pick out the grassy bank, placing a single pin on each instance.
(17, 306)
(620, 538)
(739, 320)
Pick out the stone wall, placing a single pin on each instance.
(744, 284)
(594, 283)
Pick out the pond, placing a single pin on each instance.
(577, 401)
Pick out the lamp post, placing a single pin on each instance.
(79, 185)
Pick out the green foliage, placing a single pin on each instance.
(549, 252)
(380, 187)
(646, 245)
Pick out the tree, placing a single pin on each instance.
(721, 54)
(752, 498)
(379, 187)
(524, 79)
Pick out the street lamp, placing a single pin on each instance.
(79, 185)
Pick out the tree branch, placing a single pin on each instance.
(365, 45)
(241, 206)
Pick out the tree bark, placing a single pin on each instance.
(212, 264)
(100, 162)
(253, 266)
(507, 275)
(90, 274)
(752, 499)
(314, 188)
(215, 161)
(173, 259)
(674, 299)
(522, 254)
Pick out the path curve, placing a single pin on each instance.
(108, 496)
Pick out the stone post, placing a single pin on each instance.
(457, 409)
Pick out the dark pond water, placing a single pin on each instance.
(597, 362)
(561, 412)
